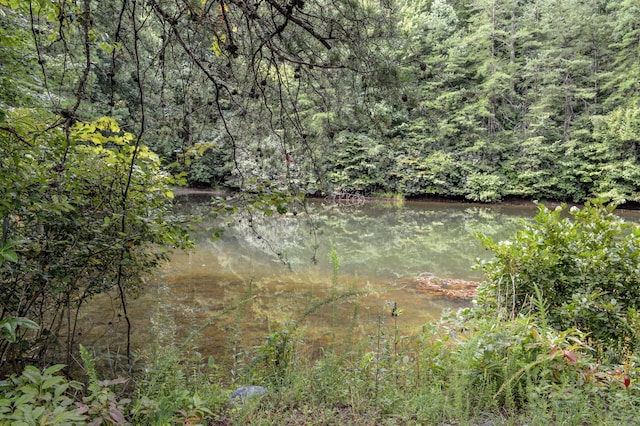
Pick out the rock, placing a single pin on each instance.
(245, 392)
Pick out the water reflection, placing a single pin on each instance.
(380, 247)
(377, 240)
(275, 268)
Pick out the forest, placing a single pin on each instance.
(477, 100)
(107, 107)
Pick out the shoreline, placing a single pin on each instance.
(509, 202)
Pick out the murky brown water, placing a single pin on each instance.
(380, 247)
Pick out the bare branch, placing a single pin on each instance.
(288, 14)
(15, 133)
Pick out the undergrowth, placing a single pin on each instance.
(477, 366)
(462, 370)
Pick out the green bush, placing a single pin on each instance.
(586, 267)
(485, 188)
(83, 212)
(47, 398)
(37, 397)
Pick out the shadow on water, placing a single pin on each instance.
(381, 248)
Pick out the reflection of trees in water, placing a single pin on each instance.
(379, 239)
(417, 238)
(277, 235)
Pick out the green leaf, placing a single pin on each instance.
(8, 330)
(24, 399)
(38, 412)
(51, 382)
(9, 255)
(10, 325)
(62, 416)
(32, 374)
(53, 369)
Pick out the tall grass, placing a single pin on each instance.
(466, 369)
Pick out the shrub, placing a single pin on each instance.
(83, 212)
(485, 188)
(39, 397)
(585, 266)
(45, 397)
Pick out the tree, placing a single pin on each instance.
(85, 204)
(83, 218)
(438, 124)
(617, 137)
(622, 85)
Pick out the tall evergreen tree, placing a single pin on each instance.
(623, 84)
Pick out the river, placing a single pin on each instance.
(267, 271)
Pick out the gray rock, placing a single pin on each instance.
(245, 392)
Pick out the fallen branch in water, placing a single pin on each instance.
(448, 287)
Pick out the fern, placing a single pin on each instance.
(541, 305)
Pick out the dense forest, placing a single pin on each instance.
(107, 107)
(480, 100)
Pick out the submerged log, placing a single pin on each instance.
(446, 287)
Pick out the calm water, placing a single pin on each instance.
(277, 269)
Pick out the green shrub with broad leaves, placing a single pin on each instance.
(39, 397)
(585, 265)
(45, 397)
